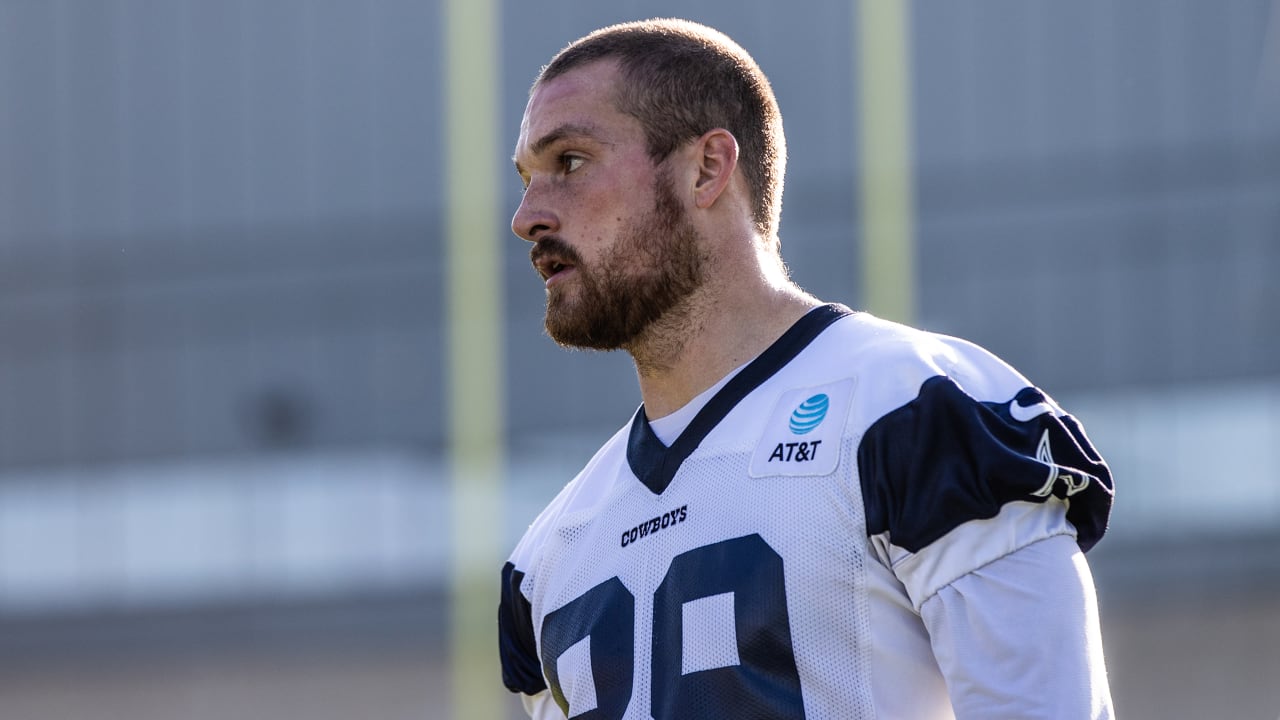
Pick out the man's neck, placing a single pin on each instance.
(685, 354)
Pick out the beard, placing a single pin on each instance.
(655, 265)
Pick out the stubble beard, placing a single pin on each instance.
(652, 270)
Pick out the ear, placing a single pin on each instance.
(717, 158)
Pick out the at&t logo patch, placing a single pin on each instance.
(802, 436)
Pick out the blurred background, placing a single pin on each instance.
(275, 400)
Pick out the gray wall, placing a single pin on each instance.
(219, 227)
(1100, 186)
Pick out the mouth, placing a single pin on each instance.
(553, 268)
(552, 262)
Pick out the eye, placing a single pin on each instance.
(569, 163)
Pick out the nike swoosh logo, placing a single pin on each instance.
(1025, 414)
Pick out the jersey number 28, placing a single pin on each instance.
(764, 683)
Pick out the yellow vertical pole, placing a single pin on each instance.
(886, 182)
(474, 377)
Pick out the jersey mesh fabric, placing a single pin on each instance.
(812, 522)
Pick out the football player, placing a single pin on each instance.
(815, 513)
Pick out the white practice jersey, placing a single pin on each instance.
(867, 521)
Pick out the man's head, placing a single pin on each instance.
(681, 79)
(634, 184)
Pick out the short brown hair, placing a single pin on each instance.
(681, 79)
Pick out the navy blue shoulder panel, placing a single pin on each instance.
(656, 464)
(944, 459)
(521, 671)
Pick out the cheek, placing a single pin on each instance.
(599, 214)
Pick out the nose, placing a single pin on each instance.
(533, 219)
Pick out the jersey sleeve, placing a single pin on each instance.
(981, 495)
(517, 647)
(1020, 637)
(952, 482)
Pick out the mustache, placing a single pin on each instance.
(556, 248)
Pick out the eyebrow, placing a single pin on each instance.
(568, 130)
